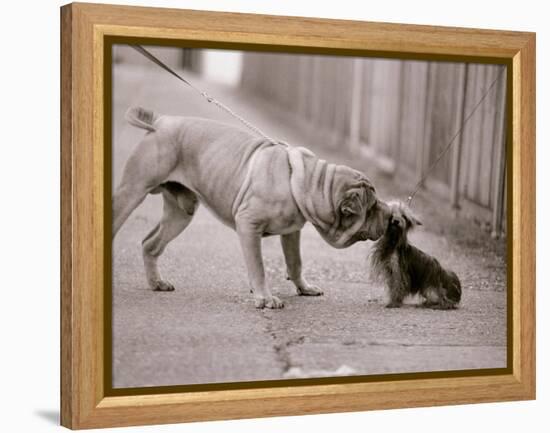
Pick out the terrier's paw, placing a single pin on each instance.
(393, 305)
(428, 304)
(443, 306)
(272, 302)
(163, 286)
(309, 290)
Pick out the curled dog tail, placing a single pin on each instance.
(142, 118)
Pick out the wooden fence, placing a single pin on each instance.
(401, 114)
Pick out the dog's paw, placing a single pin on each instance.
(428, 304)
(443, 306)
(393, 305)
(309, 290)
(163, 286)
(272, 302)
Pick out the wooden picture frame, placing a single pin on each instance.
(85, 219)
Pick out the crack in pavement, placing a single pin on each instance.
(281, 346)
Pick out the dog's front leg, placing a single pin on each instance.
(291, 250)
(251, 244)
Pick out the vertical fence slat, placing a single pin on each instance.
(356, 105)
(499, 182)
(475, 133)
(457, 150)
(422, 154)
(487, 138)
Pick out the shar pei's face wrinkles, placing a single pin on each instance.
(359, 214)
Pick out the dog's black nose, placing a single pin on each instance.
(394, 222)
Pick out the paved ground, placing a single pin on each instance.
(208, 329)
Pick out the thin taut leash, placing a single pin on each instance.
(205, 95)
(444, 151)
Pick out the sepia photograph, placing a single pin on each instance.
(280, 216)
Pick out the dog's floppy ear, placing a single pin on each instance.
(351, 203)
(411, 218)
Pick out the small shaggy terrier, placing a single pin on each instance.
(407, 270)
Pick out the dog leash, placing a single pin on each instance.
(444, 151)
(205, 95)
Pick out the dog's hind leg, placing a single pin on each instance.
(125, 199)
(180, 205)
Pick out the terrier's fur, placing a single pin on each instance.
(408, 270)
